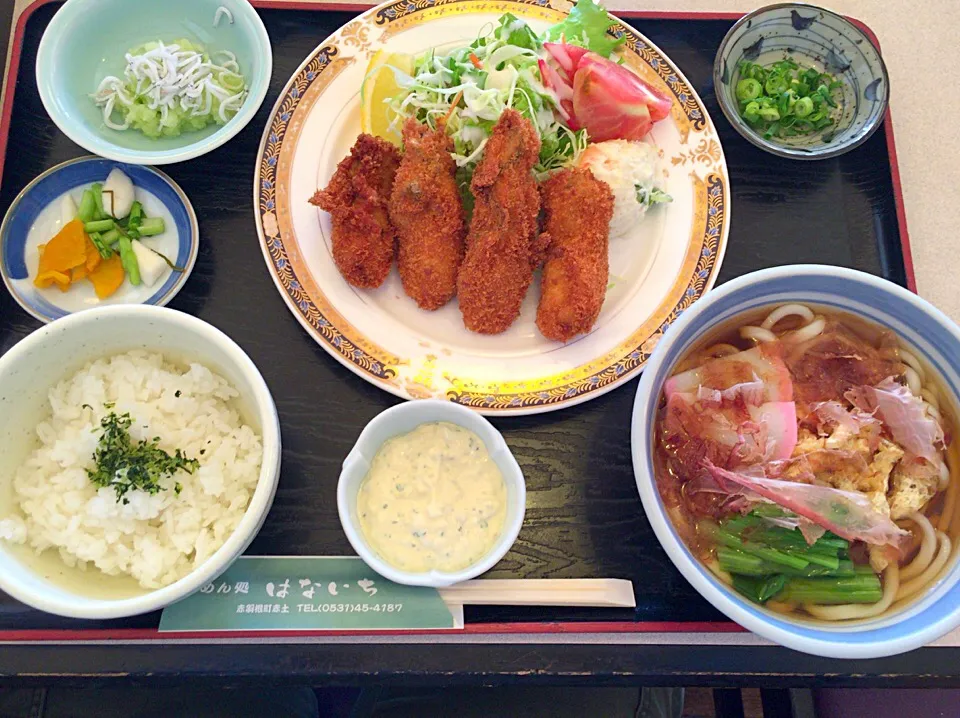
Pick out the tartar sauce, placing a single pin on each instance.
(433, 499)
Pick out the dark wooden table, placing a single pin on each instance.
(584, 518)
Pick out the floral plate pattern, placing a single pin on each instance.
(380, 335)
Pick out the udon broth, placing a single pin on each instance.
(738, 480)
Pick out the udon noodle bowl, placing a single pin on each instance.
(806, 458)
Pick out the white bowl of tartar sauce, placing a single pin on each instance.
(430, 494)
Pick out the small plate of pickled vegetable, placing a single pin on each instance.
(90, 232)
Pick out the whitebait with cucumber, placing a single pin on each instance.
(168, 89)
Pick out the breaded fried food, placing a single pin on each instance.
(577, 212)
(364, 239)
(498, 266)
(426, 209)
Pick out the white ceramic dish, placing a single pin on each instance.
(660, 268)
(34, 218)
(54, 352)
(88, 40)
(817, 38)
(923, 328)
(402, 419)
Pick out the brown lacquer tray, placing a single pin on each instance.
(584, 517)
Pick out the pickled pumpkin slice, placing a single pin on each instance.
(107, 277)
(93, 257)
(50, 277)
(68, 249)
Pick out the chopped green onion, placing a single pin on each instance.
(748, 89)
(129, 260)
(786, 100)
(775, 84)
(88, 208)
(151, 226)
(803, 107)
(99, 225)
(96, 189)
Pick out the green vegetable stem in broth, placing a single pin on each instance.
(769, 561)
(125, 466)
(785, 99)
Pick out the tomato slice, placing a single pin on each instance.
(554, 81)
(563, 90)
(567, 57)
(600, 95)
(625, 86)
(604, 108)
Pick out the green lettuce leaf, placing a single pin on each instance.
(587, 26)
(514, 31)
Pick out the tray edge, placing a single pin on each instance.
(52, 636)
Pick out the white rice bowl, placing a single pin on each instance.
(157, 539)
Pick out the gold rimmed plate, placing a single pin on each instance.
(665, 265)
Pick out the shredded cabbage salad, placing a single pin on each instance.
(471, 86)
(167, 89)
(495, 72)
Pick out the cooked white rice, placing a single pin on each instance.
(156, 539)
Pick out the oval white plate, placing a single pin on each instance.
(381, 335)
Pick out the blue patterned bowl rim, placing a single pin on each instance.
(49, 185)
(825, 151)
(923, 327)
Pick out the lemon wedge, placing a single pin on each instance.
(379, 87)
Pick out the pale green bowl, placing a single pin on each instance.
(87, 40)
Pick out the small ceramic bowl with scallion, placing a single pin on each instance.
(801, 82)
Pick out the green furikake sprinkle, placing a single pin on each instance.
(786, 99)
(126, 466)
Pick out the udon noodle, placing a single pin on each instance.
(805, 457)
